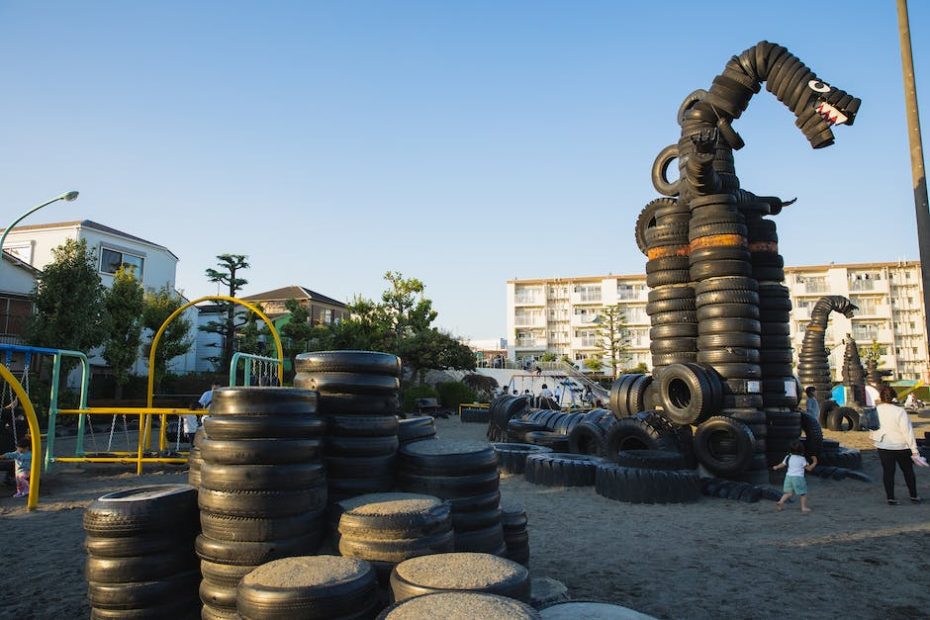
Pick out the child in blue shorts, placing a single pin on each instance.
(795, 483)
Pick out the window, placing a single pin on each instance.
(327, 316)
(112, 260)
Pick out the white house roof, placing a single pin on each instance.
(93, 226)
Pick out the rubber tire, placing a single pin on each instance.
(512, 456)
(647, 486)
(561, 470)
(349, 361)
(737, 432)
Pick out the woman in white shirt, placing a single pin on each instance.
(895, 443)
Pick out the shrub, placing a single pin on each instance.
(454, 393)
(412, 393)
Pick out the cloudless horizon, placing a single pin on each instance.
(464, 144)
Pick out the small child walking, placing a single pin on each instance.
(795, 483)
(23, 460)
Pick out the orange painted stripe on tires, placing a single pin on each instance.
(764, 246)
(718, 241)
(668, 250)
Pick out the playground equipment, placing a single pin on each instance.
(268, 370)
(261, 369)
(21, 395)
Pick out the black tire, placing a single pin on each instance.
(131, 546)
(350, 383)
(255, 553)
(448, 457)
(719, 269)
(218, 595)
(561, 470)
(636, 394)
(639, 432)
(730, 355)
(724, 311)
(650, 459)
(257, 401)
(517, 429)
(416, 428)
(667, 278)
(724, 446)
(674, 330)
(349, 361)
(239, 529)
(266, 451)
(222, 427)
(151, 567)
(239, 478)
(361, 446)
(725, 297)
(261, 504)
(662, 318)
(647, 486)
(619, 391)
(557, 441)
(587, 438)
(427, 575)
(732, 339)
(673, 345)
(147, 594)
(661, 360)
(142, 510)
(450, 487)
(686, 394)
(670, 305)
(843, 419)
(359, 466)
(333, 587)
(671, 292)
(727, 325)
(660, 171)
(393, 551)
(351, 404)
(363, 426)
(475, 416)
(512, 456)
(709, 254)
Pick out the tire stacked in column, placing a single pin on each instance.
(385, 529)
(853, 371)
(728, 327)
(516, 536)
(358, 399)
(194, 461)
(465, 473)
(140, 546)
(662, 235)
(417, 428)
(263, 489)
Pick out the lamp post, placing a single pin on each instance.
(68, 197)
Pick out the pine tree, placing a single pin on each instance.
(613, 337)
(231, 265)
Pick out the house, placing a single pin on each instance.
(17, 281)
(31, 247)
(323, 310)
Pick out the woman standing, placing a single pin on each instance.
(896, 444)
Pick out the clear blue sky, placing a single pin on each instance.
(463, 143)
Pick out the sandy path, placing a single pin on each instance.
(853, 557)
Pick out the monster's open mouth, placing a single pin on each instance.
(831, 114)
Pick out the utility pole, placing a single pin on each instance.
(917, 160)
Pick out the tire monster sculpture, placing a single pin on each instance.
(717, 304)
(813, 366)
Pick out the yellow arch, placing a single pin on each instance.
(150, 397)
(35, 468)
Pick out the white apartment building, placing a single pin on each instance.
(559, 315)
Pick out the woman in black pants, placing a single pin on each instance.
(896, 444)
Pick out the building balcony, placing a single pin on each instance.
(868, 286)
(586, 298)
(531, 343)
(521, 322)
(865, 336)
(584, 320)
(811, 289)
(529, 300)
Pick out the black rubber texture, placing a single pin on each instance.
(686, 393)
(261, 477)
(349, 361)
(448, 457)
(647, 486)
(221, 427)
(720, 311)
(143, 595)
(726, 325)
(263, 401)
(361, 446)
(512, 456)
(240, 529)
(561, 470)
(644, 431)
(513, 584)
(142, 510)
(843, 419)
(588, 438)
(724, 446)
(254, 553)
(350, 383)
(266, 451)
(362, 426)
(557, 441)
(150, 567)
(650, 459)
(262, 504)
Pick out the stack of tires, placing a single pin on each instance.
(140, 553)
(853, 371)
(662, 235)
(194, 460)
(783, 426)
(464, 473)
(387, 528)
(263, 489)
(511, 457)
(450, 604)
(416, 428)
(647, 430)
(474, 415)
(323, 586)
(358, 399)
(504, 409)
(647, 477)
(630, 394)
(561, 470)
(516, 536)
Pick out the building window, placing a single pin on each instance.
(112, 260)
(327, 316)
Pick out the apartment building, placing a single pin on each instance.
(560, 315)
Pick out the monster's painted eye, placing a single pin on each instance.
(819, 87)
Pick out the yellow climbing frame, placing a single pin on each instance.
(145, 413)
(36, 467)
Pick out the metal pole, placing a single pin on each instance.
(69, 197)
(917, 160)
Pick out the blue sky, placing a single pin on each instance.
(464, 143)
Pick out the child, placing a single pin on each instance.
(797, 464)
(23, 459)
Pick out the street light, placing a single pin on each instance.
(67, 197)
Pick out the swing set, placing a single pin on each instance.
(260, 369)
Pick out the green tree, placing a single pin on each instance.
(159, 305)
(124, 306)
(298, 331)
(872, 354)
(613, 337)
(548, 356)
(230, 265)
(594, 364)
(405, 306)
(69, 302)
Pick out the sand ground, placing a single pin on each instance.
(853, 557)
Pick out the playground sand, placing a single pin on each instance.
(854, 556)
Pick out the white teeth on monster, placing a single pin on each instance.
(831, 114)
